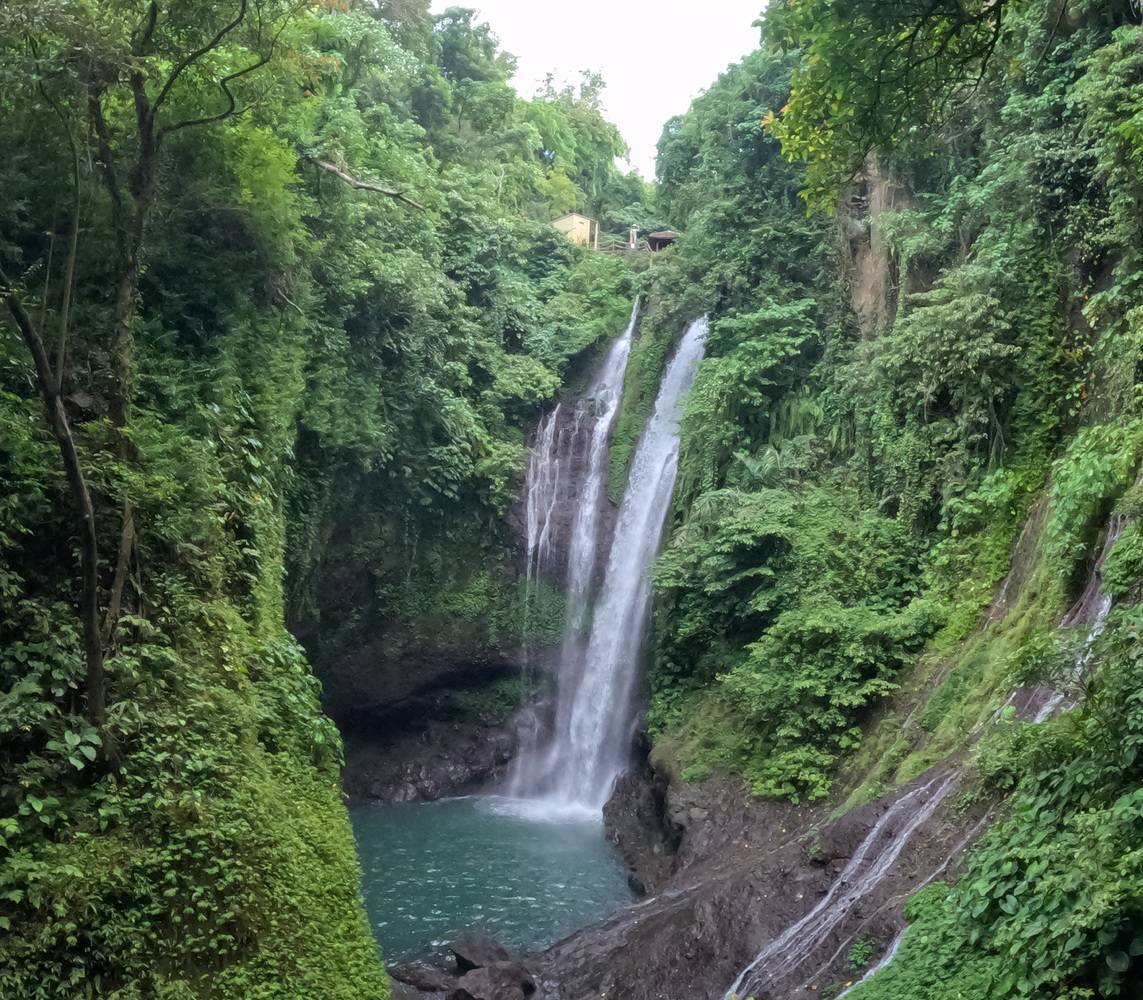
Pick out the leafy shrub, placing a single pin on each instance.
(861, 953)
(809, 601)
(1097, 467)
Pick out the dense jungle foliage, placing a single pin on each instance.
(263, 264)
(916, 228)
(281, 305)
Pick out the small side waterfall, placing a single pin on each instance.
(871, 862)
(573, 770)
(1038, 702)
(1092, 609)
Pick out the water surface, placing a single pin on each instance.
(431, 870)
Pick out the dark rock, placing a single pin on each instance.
(426, 762)
(84, 402)
(474, 950)
(635, 818)
(425, 978)
(498, 981)
(744, 872)
(402, 991)
(384, 679)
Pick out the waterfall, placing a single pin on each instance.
(871, 863)
(552, 482)
(573, 770)
(561, 475)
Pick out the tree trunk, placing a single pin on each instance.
(88, 539)
(129, 211)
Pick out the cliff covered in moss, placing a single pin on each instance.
(281, 301)
(909, 458)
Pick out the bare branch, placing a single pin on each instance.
(360, 185)
(1052, 37)
(73, 239)
(119, 581)
(232, 103)
(191, 58)
(89, 539)
(139, 44)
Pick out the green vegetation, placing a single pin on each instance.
(1049, 905)
(283, 279)
(924, 387)
(661, 318)
(861, 953)
(885, 393)
(282, 302)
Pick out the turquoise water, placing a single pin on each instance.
(431, 870)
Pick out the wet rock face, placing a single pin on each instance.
(398, 700)
(441, 741)
(745, 872)
(372, 653)
(636, 821)
(426, 761)
(395, 674)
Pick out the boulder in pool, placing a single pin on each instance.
(497, 981)
(423, 978)
(474, 950)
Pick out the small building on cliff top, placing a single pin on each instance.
(661, 240)
(579, 229)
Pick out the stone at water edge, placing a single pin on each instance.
(474, 950)
(424, 978)
(402, 991)
(498, 981)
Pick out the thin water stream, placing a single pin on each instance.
(871, 863)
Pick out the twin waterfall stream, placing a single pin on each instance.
(527, 861)
(570, 769)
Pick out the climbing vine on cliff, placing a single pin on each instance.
(945, 349)
(264, 265)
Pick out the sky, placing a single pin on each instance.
(655, 55)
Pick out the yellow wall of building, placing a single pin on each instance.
(577, 228)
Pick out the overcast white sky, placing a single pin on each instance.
(655, 55)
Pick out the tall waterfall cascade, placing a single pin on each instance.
(569, 766)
